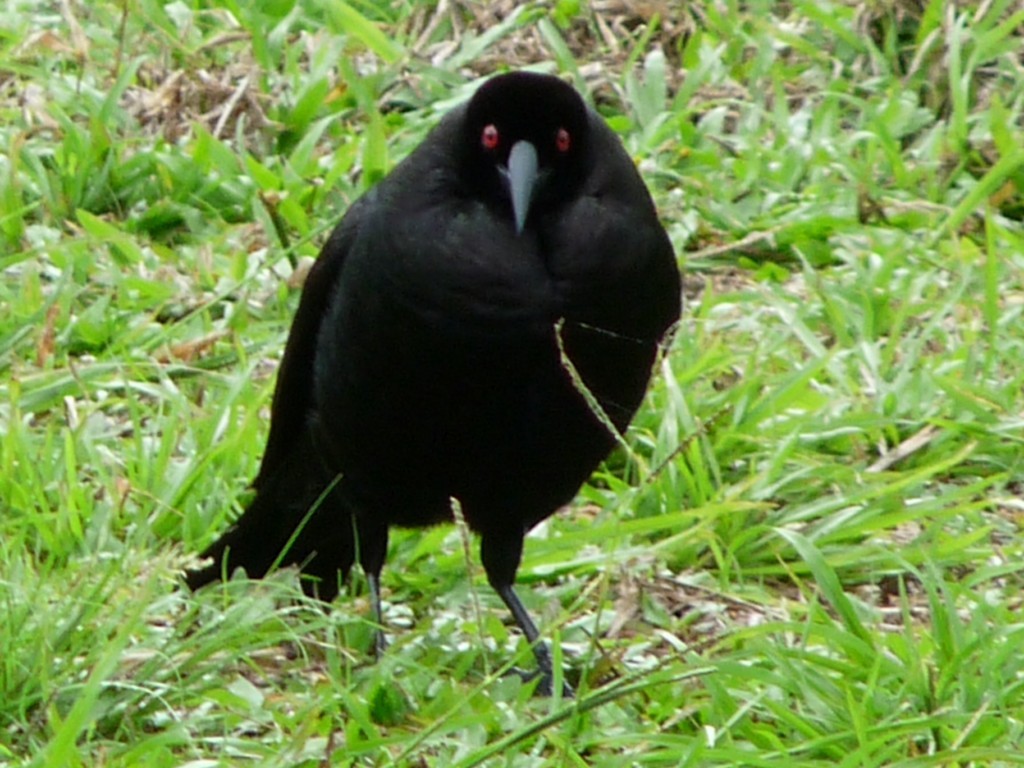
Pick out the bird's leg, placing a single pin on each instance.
(373, 548)
(540, 649)
(380, 642)
(501, 555)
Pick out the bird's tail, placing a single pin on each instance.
(298, 517)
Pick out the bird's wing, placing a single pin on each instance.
(610, 252)
(293, 395)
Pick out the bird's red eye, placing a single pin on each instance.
(562, 140)
(489, 137)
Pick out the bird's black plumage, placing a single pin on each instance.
(427, 359)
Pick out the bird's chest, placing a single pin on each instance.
(423, 375)
(465, 376)
(443, 358)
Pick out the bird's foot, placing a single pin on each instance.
(545, 683)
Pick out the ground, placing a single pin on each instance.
(810, 554)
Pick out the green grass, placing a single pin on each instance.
(810, 555)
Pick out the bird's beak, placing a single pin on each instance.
(522, 177)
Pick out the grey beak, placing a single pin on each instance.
(522, 176)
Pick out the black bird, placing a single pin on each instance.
(452, 341)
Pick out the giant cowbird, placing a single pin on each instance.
(478, 327)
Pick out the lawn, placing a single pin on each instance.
(811, 553)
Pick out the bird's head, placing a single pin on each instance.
(524, 139)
